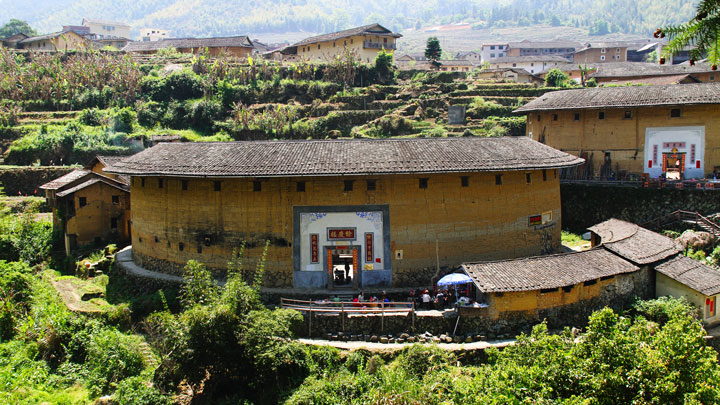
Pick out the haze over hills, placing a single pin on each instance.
(269, 18)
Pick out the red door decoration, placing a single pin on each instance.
(313, 248)
(369, 253)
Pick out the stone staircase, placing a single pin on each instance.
(149, 357)
(686, 217)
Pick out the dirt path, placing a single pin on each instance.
(379, 347)
(70, 296)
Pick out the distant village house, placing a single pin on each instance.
(240, 46)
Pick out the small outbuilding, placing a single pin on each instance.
(698, 283)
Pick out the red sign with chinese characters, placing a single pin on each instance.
(355, 260)
(369, 254)
(535, 220)
(341, 234)
(313, 248)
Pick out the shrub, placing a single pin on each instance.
(198, 287)
(181, 85)
(91, 116)
(15, 291)
(417, 360)
(135, 390)
(556, 78)
(201, 114)
(149, 113)
(112, 357)
(122, 120)
(662, 309)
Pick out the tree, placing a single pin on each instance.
(15, 27)
(555, 78)
(433, 52)
(702, 32)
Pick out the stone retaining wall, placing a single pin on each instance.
(27, 180)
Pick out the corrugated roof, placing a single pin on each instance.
(218, 42)
(94, 180)
(530, 58)
(635, 243)
(542, 272)
(630, 96)
(692, 273)
(343, 157)
(544, 44)
(371, 29)
(65, 180)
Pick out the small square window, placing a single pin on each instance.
(498, 179)
(371, 185)
(217, 185)
(160, 183)
(576, 116)
(181, 246)
(528, 178)
(464, 181)
(538, 117)
(348, 185)
(423, 183)
(627, 114)
(83, 201)
(300, 186)
(184, 184)
(601, 115)
(113, 223)
(555, 117)
(116, 199)
(199, 249)
(675, 112)
(257, 185)
(544, 174)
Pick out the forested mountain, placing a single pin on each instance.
(232, 17)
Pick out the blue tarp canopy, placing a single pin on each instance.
(454, 279)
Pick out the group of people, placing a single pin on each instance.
(360, 302)
(441, 298)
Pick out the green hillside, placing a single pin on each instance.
(232, 17)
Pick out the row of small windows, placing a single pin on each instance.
(82, 201)
(627, 114)
(348, 185)
(307, 48)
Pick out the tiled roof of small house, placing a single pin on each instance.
(657, 80)
(634, 69)
(455, 62)
(529, 58)
(545, 272)
(65, 179)
(343, 157)
(635, 243)
(692, 273)
(94, 180)
(517, 70)
(372, 29)
(630, 96)
(104, 22)
(45, 37)
(184, 43)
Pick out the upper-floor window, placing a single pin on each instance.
(348, 185)
(116, 199)
(423, 183)
(83, 201)
(464, 181)
(602, 50)
(492, 47)
(601, 115)
(371, 185)
(627, 114)
(675, 112)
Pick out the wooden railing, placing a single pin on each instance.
(345, 308)
(679, 216)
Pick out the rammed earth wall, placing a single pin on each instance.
(586, 205)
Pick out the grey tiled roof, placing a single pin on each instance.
(630, 69)
(544, 44)
(343, 157)
(692, 273)
(553, 271)
(372, 29)
(631, 96)
(96, 179)
(634, 243)
(65, 180)
(218, 42)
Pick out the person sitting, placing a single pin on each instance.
(356, 302)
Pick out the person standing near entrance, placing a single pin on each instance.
(347, 270)
(426, 299)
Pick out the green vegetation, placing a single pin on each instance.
(702, 32)
(14, 26)
(433, 52)
(556, 78)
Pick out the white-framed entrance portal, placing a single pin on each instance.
(341, 246)
(675, 152)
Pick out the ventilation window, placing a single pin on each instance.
(544, 174)
(675, 113)
(83, 201)
(371, 185)
(113, 223)
(160, 183)
(498, 179)
(116, 199)
(217, 185)
(577, 116)
(606, 278)
(142, 182)
(547, 290)
(184, 184)
(601, 115)
(199, 249)
(590, 282)
(423, 182)
(348, 185)
(538, 117)
(300, 186)
(627, 114)
(555, 117)
(181, 246)
(567, 288)
(257, 185)
(464, 181)
(528, 178)
(156, 239)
